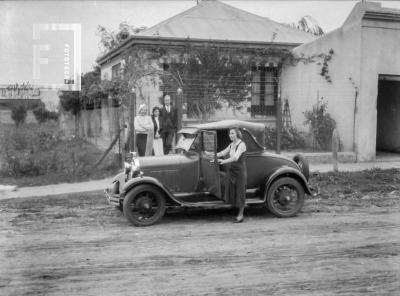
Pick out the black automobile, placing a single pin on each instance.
(193, 178)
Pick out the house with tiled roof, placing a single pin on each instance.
(218, 25)
(354, 70)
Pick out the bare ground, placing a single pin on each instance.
(78, 245)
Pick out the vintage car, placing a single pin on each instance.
(193, 178)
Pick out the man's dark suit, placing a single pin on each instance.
(169, 122)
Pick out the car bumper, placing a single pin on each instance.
(112, 198)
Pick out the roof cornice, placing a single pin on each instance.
(168, 41)
(382, 16)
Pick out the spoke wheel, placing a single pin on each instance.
(285, 197)
(144, 205)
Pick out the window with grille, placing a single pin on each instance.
(264, 91)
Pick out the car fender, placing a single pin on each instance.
(117, 183)
(152, 181)
(286, 171)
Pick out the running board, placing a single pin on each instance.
(207, 204)
(254, 201)
(220, 203)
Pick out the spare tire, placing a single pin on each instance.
(302, 162)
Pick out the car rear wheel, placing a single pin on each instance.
(302, 162)
(285, 197)
(144, 205)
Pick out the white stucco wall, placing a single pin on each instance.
(302, 83)
(363, 49)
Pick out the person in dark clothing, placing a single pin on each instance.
(158, 147)
(236, 179)
(169, 120)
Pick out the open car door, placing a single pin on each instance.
(208, 163)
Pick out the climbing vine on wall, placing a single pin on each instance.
(211, 77)
(324, 70)
(321, 59)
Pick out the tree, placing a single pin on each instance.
(74, 101)
(91, 90)
(71, 101)
(18, 113)
(307, 24)
(43, 115)
(111, 39)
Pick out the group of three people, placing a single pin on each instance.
(154, 135)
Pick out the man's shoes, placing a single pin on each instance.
(238, 220)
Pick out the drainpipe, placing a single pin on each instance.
(354, 121)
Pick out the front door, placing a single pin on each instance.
(208, 163)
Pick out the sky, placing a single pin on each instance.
(17, 20)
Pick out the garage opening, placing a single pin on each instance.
(388, 115)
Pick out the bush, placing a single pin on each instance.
(28, 152)
(43, 115)
(321, 125)
(291, 138)
(71, 101)
(18, 113)
(42, 150)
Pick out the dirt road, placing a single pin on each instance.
(78, 245)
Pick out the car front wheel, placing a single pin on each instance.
(144, 205)
(285, 197)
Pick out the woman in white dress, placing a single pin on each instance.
(143, 130)
(158, 142)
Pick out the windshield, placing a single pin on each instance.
(185, 142)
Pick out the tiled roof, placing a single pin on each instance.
(215, 20)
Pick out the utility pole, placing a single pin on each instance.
(179, 103)
(335, 149)
(132, 105)
(278, 115)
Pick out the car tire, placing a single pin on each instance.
(302, 162)
(144, 205)
(278, 199)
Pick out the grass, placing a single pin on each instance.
(60, 159)
(356, 183)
